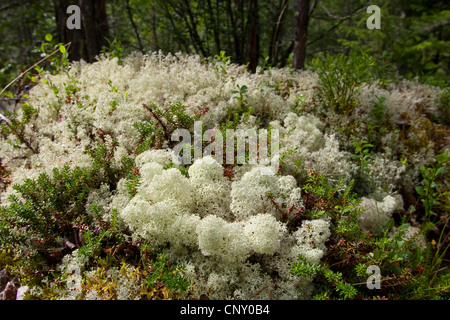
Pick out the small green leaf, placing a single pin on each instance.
(438, 171)
(420, 190)
(62, 49)
(435, 184)
(404, 227)
(377, 254)
(443, 157)
(423, 169)
(389, 224)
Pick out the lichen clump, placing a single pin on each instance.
(165, 211)
(237, 230)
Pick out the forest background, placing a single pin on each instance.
(413, 41)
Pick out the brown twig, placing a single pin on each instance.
(158, 118)
(21, 138)
(265, 287)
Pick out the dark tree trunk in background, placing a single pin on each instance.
(66, 35)
(301, 34)
(253, 39)
(94, 26)
(214, 21)
(90, 39)
(234, 30)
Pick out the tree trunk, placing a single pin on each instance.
(66, 35)
(234, 30)
(301, 34)
(253, 40)
(88, 41)
(95, 25)
(214, 22)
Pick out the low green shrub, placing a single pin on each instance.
(341, 78)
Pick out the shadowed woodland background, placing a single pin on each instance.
(413, 40)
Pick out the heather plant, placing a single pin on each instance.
(160, 127)
(340, 287)
(406, 270)
(408, 267)
(102, 156)
(53, 211)
(94, 241)
(15, 130)
(49, 209)
(340, 205)
(161, 273)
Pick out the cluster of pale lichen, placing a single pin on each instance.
(226, 228)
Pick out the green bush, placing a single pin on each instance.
(48, 209)
(340, 79)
